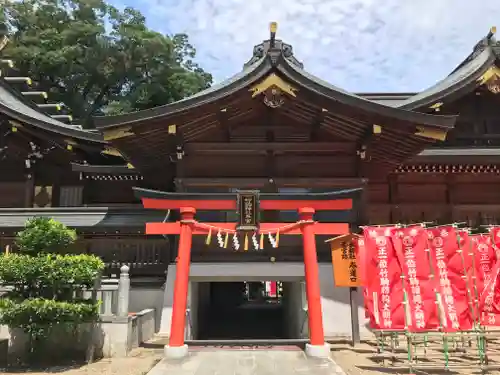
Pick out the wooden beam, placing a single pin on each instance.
(328, 183)
(326, 229)
(222, 118)
(221, 147)
(231, 205)
(262, 126)
(316, 125)
(210, 165)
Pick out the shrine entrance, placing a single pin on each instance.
(248, 234)
(240, 310)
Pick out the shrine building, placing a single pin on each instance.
(241, 184)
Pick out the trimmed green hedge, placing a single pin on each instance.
(49, 271)
(32, 314)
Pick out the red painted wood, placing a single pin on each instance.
(311, 268)
(181, 283)
(318, 205)
(319, 228)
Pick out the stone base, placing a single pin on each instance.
(318, 351)
(175, 352)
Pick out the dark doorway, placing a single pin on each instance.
(242, 311)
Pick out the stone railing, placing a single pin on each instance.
(113, 293)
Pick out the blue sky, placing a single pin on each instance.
(359, 45)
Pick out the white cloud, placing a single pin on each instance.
(360, 45)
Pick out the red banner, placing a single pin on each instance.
(484, 259)
(484, 256)
(464, 245)
(448, 265)
(495, 236)
(361, 261)
(411, 245)
(359, 248)
(384, 292)
(489, 300)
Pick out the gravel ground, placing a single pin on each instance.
(362, 360)
(139, 362)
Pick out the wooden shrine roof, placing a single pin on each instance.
(28, 129)
(20, 109)
(149, 138)
(479, 68)
(275, 61)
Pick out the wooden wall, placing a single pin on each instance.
(112, 192)
(414, 197)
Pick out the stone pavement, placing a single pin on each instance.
(247, 362)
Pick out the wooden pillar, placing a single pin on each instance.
(449, 183)
(393, 197)
(181, 284)
(29, 189)
(316, 333)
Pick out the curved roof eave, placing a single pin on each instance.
(463, 80)
(13, 105)
(327, 90)
(244, 78)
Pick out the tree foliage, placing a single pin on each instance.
(42, 234)
(98, 59)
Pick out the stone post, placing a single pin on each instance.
(123, 291)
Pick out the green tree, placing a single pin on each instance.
(42, 234)
(98, 59)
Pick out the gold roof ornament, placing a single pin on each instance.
(172, 129)
(273, 27)
(111, 151)
(70, 143)
(491, 79)
(431, 133)
(436, 106)
(14, 126)
(121, 132)
(271, 81)
(273, 87)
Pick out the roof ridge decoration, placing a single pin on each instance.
(488, 41)
(491, 78)
(274, 49)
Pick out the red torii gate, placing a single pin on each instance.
(188, 203)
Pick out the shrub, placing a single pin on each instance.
(30, 276)
(44, 284)
(36, 316)
(44, 235)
